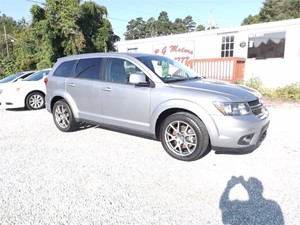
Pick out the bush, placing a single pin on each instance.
(255, 83)
(288, 92)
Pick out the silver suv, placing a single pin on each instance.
(153, 95)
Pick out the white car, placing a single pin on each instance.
(29, 92)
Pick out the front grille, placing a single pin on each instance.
(254, 103)
(257, 107)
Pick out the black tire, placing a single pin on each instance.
(184, 136)
(35, 101)
(63, 117)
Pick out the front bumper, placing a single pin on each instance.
(239, 135)
(11, 102)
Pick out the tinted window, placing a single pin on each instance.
(88, 68)
(266, 45)
(37, 75)
(65, 69)
(11, 77)
(118, 70)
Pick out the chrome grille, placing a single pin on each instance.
(257, 107)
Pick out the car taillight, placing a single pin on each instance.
(46, 80)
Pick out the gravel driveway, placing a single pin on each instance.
(97, 176)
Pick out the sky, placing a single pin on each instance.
(225, 13)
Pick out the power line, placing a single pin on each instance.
(117, 19)
(36, 2)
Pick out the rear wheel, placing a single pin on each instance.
(63, 117)
(184, 136)
(35, 100)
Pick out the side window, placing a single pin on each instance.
(88, 68)
(65, 69)
(117, 71)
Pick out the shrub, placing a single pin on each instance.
(288, 92)
(255, 83)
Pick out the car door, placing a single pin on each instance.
(84, 89)
(124, 104)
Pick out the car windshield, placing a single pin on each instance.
(37, 75)
(11, 77)
(168, 70)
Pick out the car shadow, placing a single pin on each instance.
(22, 109)
(126, 131)
(234, 152)
(17, 109)
(255, 210)
(85, 126)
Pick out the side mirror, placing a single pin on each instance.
(137, 78)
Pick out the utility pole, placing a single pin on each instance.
(5, 36)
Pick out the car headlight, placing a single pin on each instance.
(233, 108)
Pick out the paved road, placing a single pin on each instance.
(97, 176)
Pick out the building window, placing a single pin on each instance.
(266, 45)
(227, 46)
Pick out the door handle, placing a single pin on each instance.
(107, 89)
(71, 84)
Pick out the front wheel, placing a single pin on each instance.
(184, 136)
(35, 100)
(63, 117)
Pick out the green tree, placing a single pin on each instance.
(179, 26)
(9, 30)
(67, 27)
(275, 10)
(150, 29)
(200, 27)
(163, 24)
(138, 28)
(58, 28)
(189, 23)
(97, 30)
(251, 20)
(135, 29)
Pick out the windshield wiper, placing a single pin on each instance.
(195, 78)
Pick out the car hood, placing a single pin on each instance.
(232, 92)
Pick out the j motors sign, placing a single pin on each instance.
(180, 51)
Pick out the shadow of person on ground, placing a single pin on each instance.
(256, 210)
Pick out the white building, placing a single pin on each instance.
(271, 50)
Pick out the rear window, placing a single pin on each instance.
(65, 69)
(10, 78)
(37, 75)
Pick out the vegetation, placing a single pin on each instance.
(138, 28)
(57, 29)
(289, 92)
(275, 10)
(67, 27)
